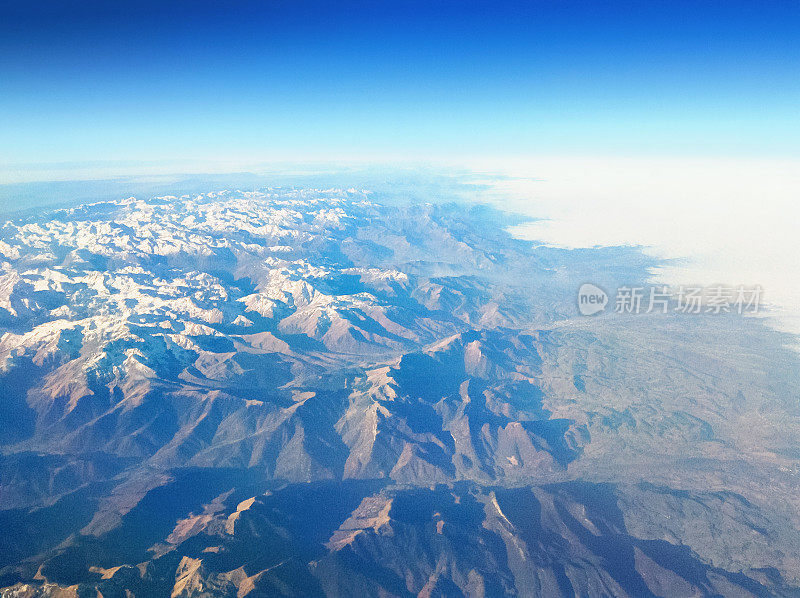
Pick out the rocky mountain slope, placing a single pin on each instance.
(303, 392)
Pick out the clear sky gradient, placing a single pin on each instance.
(85, 81)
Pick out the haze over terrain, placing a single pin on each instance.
(712, 221)
(718, 221)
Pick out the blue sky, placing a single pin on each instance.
(294, 80)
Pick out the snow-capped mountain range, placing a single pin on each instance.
(177, 373)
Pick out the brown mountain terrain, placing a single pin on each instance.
(302, 392)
